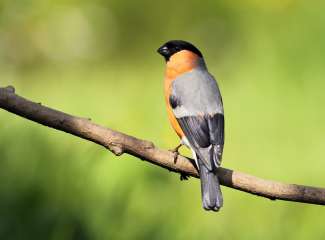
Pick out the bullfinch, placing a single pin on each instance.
(195, 111)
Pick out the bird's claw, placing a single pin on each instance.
(184, 177)
(175, 152)
(175, 156)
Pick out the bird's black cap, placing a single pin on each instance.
(174, 46)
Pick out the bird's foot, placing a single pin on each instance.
(184, 177)
(175, 152)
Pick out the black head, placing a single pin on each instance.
(174, 46)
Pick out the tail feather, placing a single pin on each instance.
(210, 188)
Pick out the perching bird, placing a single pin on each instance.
(195, 111)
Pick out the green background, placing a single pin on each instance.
(98, 59)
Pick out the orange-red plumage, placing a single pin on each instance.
(195, 111)
(181, 62)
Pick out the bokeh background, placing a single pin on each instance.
(98, 59)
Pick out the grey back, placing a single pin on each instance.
(198, 93)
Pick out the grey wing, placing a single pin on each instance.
(197, 105)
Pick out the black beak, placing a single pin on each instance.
(163, 50)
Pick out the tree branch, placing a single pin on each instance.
(120, 143)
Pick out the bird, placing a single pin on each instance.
(195, 111)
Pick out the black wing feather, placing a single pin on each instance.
(206, 135)
(196, 130)
(216, 128)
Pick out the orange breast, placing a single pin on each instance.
(178, 64)
(171, 116)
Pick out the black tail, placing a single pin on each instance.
(210, 188)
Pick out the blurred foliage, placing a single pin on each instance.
(98, 59)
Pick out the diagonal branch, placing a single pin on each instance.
(120, 143)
